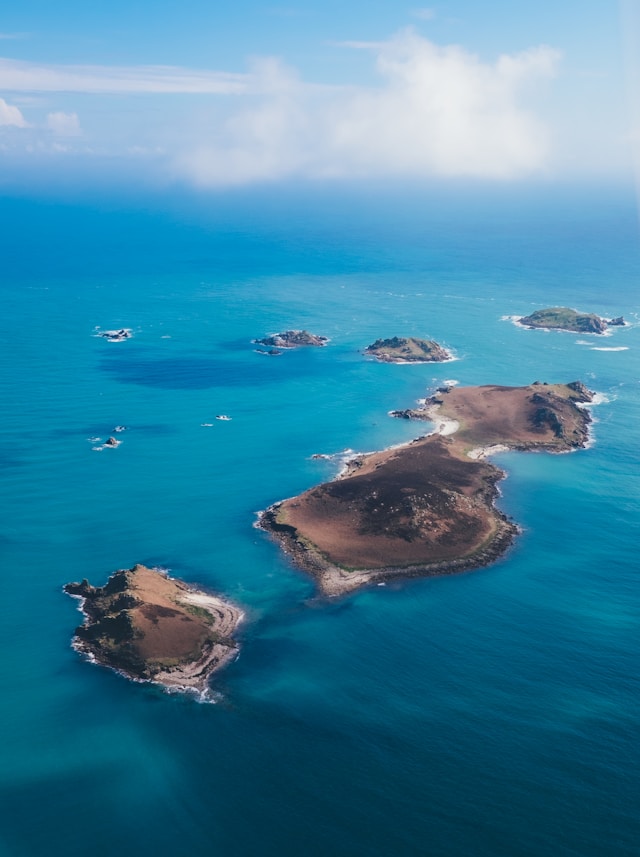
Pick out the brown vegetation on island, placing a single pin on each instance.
(428, 507)
(152, 627)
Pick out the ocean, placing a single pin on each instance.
(493, 713)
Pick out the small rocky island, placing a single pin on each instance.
(564, 318)
(399, 349)
(151, 627)
(116, 335)
(292, 339)
(427, 508)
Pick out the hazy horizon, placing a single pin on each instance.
(195, 96)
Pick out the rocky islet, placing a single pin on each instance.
(151, 627)
(400, 349)
(565, 318)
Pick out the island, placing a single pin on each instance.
(564, 318)
(427, 508)
(292, 339)
(151, 627)
(399, 349)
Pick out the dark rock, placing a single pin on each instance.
(548, 417)
(116, 335)
(125, 601)
(118, 582)
(83, 589)
(118, 627)
(583, 392)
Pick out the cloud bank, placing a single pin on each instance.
(438, 111)
(432, 111)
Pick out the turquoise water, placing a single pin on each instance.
(491, 713)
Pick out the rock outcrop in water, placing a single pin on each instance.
(400, 349)
(564, 318)
(116, 335)
(292, 339)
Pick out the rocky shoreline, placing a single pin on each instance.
(333, 580)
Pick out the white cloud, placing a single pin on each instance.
(439, 111)
(64, 124)
(18, 76)
(433, 111)
(10, 115)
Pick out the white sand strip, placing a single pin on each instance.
(481, 452)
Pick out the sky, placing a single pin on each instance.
(211, 95)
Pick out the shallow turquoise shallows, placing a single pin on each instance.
(490, 714)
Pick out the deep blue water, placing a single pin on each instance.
(493, 713)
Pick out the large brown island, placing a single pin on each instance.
(152, 627)
(427, 508)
